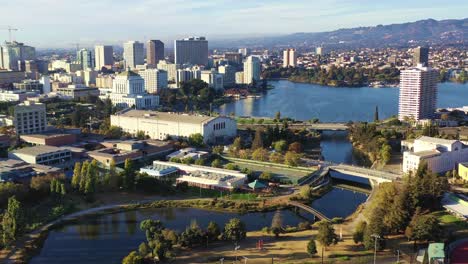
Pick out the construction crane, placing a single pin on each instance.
(10, 29)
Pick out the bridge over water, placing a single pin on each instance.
(371, 174)
(309, 209)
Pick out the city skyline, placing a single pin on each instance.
(114, 22)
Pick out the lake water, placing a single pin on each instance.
(334, 104)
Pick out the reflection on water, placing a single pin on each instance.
(339, 203)
(334, 104)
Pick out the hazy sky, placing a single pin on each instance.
(52, 23)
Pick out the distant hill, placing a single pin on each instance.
(429, 31)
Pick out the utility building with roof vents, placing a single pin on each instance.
(441, 155)
(162, 125)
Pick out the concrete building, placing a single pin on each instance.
(421, 56)
(30, 118)
(154, 52)
(85, 57)
(76, 92)
(12, 54)
(43, 155)
(128, 90)
(213, 79)
(320, 51)
(161, 125)
(133, 54)
(5, 141)
(418, 93)
(252, 69)
(239, 77)
(29, 86)
(15, 96)
(187, 74)
(45, 81)
(18, 170)
(192, 50)
(155, 80)
(104, 81)
(104, 56)
(463, 171)
(170, 68)
(206, 177)
(161, 171)
(289, 58)
(49, 139)
(229, 75)
(9, 77)
(244, 52)
(118, 151)
(441, 155)
(233, 57)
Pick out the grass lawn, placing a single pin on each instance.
(242, 196)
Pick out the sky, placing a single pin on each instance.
(61, 23)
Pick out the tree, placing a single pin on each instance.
(260, 154)
(276, 157)
(132, 258)
(266, 176)
(278, 116)
(295, 147)
(234, 230)
(305, 192)
(143, 249)
(358, 235)
(12, 222)
(326, 234)
(112, 178)
(385, 153)
(311, 247)
(140, 134)
(218, 150)
(277, 224)
(196, 140)
(129, 172)
(292, 158)
(76, 176)
(376, 114)
(258, 139)
(231, 166)
(83, 175)
(213, 231)
(216, 163)
(280, 146)
(424, 228)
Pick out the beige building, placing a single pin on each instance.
(289, 58)
(76, 92)
(30, 117)
(161, 125)
(43, 155)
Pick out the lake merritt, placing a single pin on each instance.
(303, 101)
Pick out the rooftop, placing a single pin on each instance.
(426, 153)
(128, 74)
(38, 150)
(166, 116)
(436, 140)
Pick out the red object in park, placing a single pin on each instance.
(460, 254)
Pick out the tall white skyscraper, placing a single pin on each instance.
(134, 54)
(252, 69)
(289, 58)
(229, 75)
(103, 56)
(418, 93)
(193, 50)
(155, 80)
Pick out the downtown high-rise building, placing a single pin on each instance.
(85, 57)
(418, 93)
(154, 52)
(104, 56)
(13, 54)
(289, 58)
(229, 74)
(193, 51)
(155, 80)
(134, 54)
(252, 69)
(421, 56)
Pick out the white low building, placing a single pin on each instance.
(161, 125)
(43, 155)
(441, 155)
(207, 177)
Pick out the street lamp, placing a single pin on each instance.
(376, 237)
